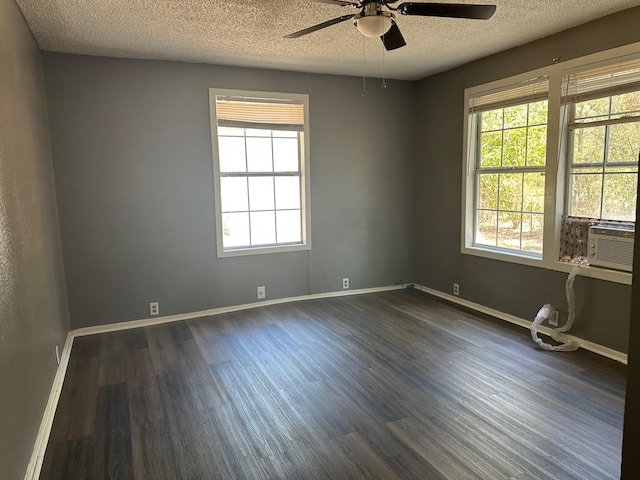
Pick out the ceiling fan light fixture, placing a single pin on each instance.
(374, 25)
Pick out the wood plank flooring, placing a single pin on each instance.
(392, 385)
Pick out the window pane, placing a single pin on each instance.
(626, 103)
(586, 192)
(232, 154)
(533, 195)
(235, 229)
(287, 192)
(532, 229)
(492, 120)
(538, 113)
(510, 191)
(233, 193)
(261, 193)
(486, 226)
(259, 155)
(592, 110)
(514, 148)
(509, 230)
(515, 116)
(588, 145)
(620, 191)
(263, 228)
(624, 142)
(285, 155)
(230, 132)
(537, 146)
(488, 191)
(491, 150)
(254, 132)
(285, 133)
(289, 226)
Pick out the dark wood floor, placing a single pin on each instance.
(382, 386)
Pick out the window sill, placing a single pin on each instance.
(599, 273)
(239, 252)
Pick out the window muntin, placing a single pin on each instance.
(510, 165)
(603, 157)
(260, 159)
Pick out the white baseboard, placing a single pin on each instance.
(586, 344)
(145, 322)
(40, 446)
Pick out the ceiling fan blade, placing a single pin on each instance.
(453, 10)
(393, 38)
(320, 26)
(340, 3)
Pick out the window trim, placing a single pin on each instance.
(305, 195)
(556, 169)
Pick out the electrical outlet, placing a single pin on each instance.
(154, 308)
(456, 289)
(553, 319)
(57, 355)
(261, 293)
(345, 283)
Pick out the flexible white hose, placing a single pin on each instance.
(547, 310)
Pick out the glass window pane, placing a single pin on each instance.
(510, 191)
(586, 191)
(261, 193)
(538, 113)
(233, 194)
(235, 229)
(532, 229)
(232, 154)
(285, 155)
(509, 230)
(533, 194)
(536, 146)
(588, 145)
(492, 120)
(592, 110)
(515, 116)
(486, 228)
(287, 192)
(624, 142)
(626, 103)
(254, 132)
(620, 190)
(289, 226)
(488, 191)
(514, 147)
(230, 132)
(259, 155)
(491, 149)
(285, 133)
(263, 228)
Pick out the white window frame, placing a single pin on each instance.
(556, 169)
(305, 197)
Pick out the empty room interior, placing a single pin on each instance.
(309, 239)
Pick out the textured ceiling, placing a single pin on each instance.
(250, 33)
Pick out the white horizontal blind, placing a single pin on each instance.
(601, 81)
(532, 90)
(259, 113)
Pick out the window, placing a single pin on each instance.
(509, 148)
(260, 146)
(549, 154)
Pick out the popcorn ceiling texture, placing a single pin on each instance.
(250, 33)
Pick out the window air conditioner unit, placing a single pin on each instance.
(611, 248)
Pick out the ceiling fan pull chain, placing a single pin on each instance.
(384, 81)
(364, 82)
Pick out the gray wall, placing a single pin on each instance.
(33, 312)
(602, 313)
(134, 175)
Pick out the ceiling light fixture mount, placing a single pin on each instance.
(373, 22)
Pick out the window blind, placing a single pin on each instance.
(259, 113)
(601, 81)
(533, 90)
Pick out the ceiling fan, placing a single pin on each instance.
(373, 20)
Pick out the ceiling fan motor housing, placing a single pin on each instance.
(373, 22)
